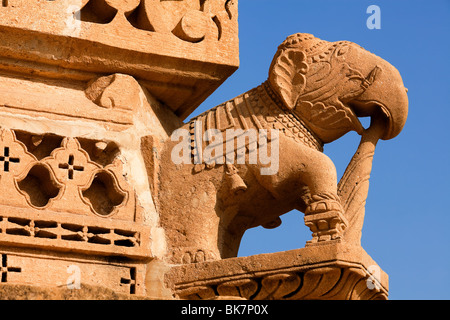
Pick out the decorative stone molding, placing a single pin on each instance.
(333, 271)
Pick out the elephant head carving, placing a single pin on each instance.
(315, 93)
(330, 85)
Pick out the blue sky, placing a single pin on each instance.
(406, 229)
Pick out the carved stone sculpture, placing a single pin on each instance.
(106, 194)
(315, 92)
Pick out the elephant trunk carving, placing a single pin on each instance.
(354, 184)
(315, 93)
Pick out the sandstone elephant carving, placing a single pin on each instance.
(315, 92)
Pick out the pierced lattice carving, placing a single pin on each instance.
(65, 180)
(76, 192)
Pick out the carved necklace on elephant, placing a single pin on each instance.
(287, 121)
(257, 109)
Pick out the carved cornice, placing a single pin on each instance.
(334, 271)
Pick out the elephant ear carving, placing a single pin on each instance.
(287, 76)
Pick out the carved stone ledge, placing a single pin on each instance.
(329, 271)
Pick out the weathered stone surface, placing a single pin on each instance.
(315, 92)
(74, 185)
(331, 271)
(95, 202)
(181, 51)
(24, 292)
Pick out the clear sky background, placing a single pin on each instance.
(407, 224)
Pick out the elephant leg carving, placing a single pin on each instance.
(308, 168)
(322, 203)
(324, 216)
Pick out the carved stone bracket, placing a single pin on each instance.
(332, 271)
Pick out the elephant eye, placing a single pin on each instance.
(342, 50)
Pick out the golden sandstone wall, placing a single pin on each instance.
(88, 91)
(96, 204)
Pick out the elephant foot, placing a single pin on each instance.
(324, 217)
(325, 226)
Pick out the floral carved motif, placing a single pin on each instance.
(326, 283)
(188, 20)
(310, 273)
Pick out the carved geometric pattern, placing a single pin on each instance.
(5, 269)
(66, 180)
(58, 232)
(7, 159)
(76, 192)
(70, 167)
(69, 158)
(31, 269)
(14, 157)
(48, 229)
(130, 281)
